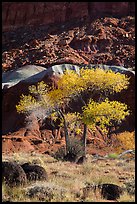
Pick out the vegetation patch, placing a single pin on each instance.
(96, 110)
(67, 180)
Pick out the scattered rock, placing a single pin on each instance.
(13, 174)
(34, 172)
(107, 171)
(111, 191)
(80, 160)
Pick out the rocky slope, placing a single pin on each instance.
(104, 41)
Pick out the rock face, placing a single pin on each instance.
(116, 9)
(17, 143)
(17, 14)
(105, 40)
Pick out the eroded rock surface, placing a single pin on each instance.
(106, 40)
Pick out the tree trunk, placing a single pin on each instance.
(85, 130)
(66, 132)
(85, 138)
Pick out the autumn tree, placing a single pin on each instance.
(96, 109)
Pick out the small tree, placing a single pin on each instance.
(103, 114)
(98, 83)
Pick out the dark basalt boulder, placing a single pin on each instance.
(13, 174)
(34, 172)
(111, 191)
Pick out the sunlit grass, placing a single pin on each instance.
(66, 180)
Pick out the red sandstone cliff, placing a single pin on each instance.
(17, 14)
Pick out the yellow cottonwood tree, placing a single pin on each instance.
(72, 86)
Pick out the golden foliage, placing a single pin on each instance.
(70, 85)
(73, 122)
(40, 89)
(26, 103)
(104, 114)
(92, 79)
(104, 80)
(126, 141)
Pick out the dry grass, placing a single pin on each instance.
(66, 180)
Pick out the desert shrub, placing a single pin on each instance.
(47, 192)
(60, 153)
(130, 187)
(75, 148)
(41, 193)
(126, 141)
(113, 155)
(13, 194)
